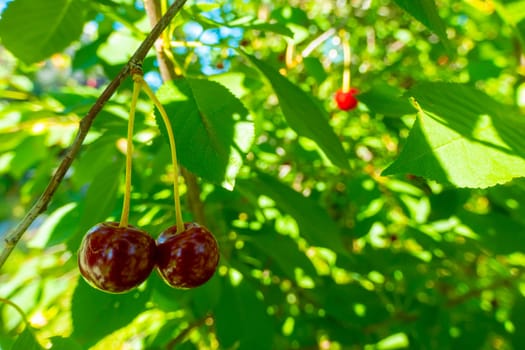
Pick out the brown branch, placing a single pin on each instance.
(194, 196)
(167, 71)
(9, 242)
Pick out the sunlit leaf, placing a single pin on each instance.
(426, 12)
(102, 152)
(315, 224)
(49, 226)
(303, 114)
(241, 318)
(514, 14)
(518, 318)
(28, 152)
(210, 126)
(100, 198)
(247, 23)
(341, 301)
(496, 232)
(387, 100)
(60, 343)
(463, 137)
(96, 314)
(285, 253)
(26, 341)
(33, 31)
(118, 48)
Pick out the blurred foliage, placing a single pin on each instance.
(319, 249)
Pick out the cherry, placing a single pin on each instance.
(189, 258)
(346, 100)
(116, 259)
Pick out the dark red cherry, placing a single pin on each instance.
(189, 258)
(346, 100)
(116, 259)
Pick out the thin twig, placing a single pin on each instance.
(9, 242)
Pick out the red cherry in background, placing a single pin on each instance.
(346, 100)
(116, 259)
(189, 258)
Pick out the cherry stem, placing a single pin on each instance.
(129, 153)
(347, 60)
(17, 308)
(289, 59)
(166, 33)
(166, 120)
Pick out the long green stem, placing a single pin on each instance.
(347, 59)
(129, 153)
(170, 70)
(165, 119)
(17, 308)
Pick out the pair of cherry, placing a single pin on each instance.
(116, 259)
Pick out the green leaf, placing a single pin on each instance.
(514, 14)
(100, 198)
(102, 152)
(303, 114)
(241, 318)
(118, 48)
(315, 225)
(248, 22)
(60, 343)
(252, 23)
(277, 28)
(315, 69)
(34, 30)
(340, 301)
(290, 14)
(497, 233)
(26, 341)
(518, 319)
(426, 12)
(28, 153)
(511, 12)
(462, 137)
(96, 314)
(387, 100)
(53, 221)
(285, 253)
(210, 127)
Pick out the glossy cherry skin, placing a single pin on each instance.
(116, 259)
(346, 100)
(189, 258)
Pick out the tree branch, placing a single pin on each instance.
(167, 71)
(10, 240)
